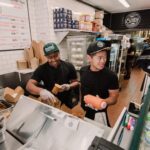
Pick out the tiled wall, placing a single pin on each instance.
(8, 61)
(41, 23)
(8, 58)
(42, 20)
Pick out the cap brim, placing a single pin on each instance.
(104, 49)
(51, 52)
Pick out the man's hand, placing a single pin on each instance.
(90, 106)
(65, 87)
(47, 95)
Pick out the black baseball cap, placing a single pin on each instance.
(98, 46)
(50, 48)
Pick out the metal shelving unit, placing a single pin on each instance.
(77, 46)
(62, 33)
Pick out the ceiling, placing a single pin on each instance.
(114, 6)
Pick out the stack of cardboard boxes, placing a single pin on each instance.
(98, 21)
(85, 22)
(33, 56)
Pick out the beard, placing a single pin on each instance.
(55, 64)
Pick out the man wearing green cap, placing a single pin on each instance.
(97, 80)
(54, 71)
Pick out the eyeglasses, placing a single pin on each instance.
(99, 58)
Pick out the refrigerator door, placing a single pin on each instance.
(77, 46)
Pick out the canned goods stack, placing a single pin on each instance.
(63, 19)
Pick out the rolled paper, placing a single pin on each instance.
(96, 102)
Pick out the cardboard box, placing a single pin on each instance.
(38, 51)
(34, 62)
(85, 18)
(87, 26)
(29, 55)
(22, 64)
(35, 49)
(99, 22)
(76, 111)
(99, 14)
(12, 95)
(42, 59)
(65, 109)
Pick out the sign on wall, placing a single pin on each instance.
(128, 20)
(14, 25)
(132, 20)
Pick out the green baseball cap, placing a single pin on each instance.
(50, 48)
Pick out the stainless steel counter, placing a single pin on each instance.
(10, 143)
(106, 129)
(40, 126)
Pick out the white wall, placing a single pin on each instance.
(41, 22)
(8, 60)
(32, 17)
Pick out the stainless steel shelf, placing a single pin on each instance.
(62, 33)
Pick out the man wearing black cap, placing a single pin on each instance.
(53, 71)
(97, 80)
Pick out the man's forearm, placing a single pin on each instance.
(33, 89)
(74, 84)
(112, 99)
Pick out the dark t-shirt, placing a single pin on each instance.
(61, 75)
(132, 49)
(97, 83)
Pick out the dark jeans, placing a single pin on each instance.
(129, 64)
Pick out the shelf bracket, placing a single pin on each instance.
(61, 36)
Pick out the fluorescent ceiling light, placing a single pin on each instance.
(6, 4)
(124, 3)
